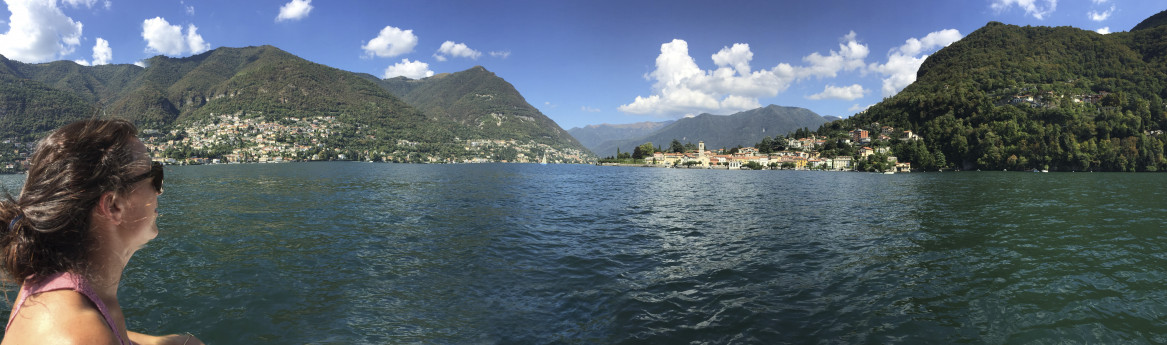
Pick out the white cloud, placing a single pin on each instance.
(683, 88)
(501, 54)
(849, 57)
(737, 57)
(141, 64)
(189, 8)
(850, 93)
(589, 109)
(1099, 2)
(38, 31)
(451, 49)
(166, 39)
(408, 69)
(102, 53)
(858, 108)
(390, 42)
(1104, 30)
(1098, 17)
(1032, 7)
(294, 10)
(194, 41)
(79, 3)
(904, 61)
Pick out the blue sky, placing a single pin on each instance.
(579, 62)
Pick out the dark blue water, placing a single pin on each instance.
(358, 253)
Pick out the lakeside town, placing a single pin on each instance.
(230, 139)
(236, 139)
(800, 154)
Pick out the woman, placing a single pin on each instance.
(89, 202)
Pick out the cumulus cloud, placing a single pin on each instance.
(294, 10)
(1101, 16)
(451, 49)
(683, 88)
(904, 61)
(850, 93)
(166, 39)
(38, 31)
(102, 53)
(390, 42)
(849, 57)
(1036, 8)
(408, 69)
(1104, 30)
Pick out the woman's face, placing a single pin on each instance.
(142, 203)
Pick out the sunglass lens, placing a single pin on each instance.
(157, 169)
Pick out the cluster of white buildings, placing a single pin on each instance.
(258, 140)
(798, 160)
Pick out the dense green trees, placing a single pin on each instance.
(1007, 97)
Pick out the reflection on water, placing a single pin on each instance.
(344, 253)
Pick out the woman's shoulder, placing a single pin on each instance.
(58, 317)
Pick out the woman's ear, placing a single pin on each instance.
(109, 208)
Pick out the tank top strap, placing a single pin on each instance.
(65, 281)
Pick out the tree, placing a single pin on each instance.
(644, 150)
(676, 147)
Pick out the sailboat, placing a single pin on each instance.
(544, 160)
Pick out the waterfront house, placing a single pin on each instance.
(841, 163)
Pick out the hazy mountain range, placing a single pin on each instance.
(717, 131)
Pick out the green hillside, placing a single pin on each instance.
(1009, 97)
(1154, 21)
(267, 85)
(484, 104)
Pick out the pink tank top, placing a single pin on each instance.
(63, 281)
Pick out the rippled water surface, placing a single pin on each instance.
(342, 253)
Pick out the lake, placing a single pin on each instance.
(362, 253)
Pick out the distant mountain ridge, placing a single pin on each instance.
(596, 136)
(744, 128)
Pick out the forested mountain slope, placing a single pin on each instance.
(1010, 97)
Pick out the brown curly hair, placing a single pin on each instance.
(46, 229)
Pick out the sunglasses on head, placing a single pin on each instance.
(155, 172)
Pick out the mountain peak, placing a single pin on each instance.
(1157, 20)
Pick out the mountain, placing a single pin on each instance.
(596, 136)
(485, 105)
(1019, 98)
(717, 131)
(1154, 21)
(268, 84)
